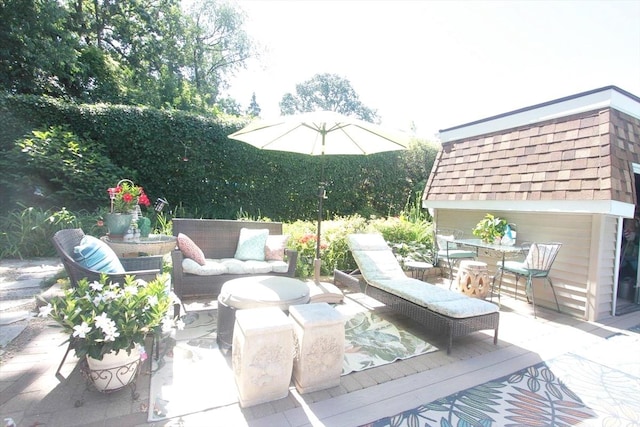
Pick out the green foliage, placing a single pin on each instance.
(104, 316)
(188, 160)
(62, 167)
(131, 52)
(490, 228)
(27, 233)
(409, 240)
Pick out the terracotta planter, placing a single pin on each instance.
(114, 371)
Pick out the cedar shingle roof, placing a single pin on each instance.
(586, 156)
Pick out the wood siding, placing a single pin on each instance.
(572, 274)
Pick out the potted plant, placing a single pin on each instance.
(109, 321)
(125, 198)
(490, 229)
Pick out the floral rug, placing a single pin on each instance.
(373, 341)
(193, 375)
(573, 389)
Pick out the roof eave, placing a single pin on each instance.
(606, 97)
(604, 207)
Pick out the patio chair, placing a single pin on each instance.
(450, 251)
(536, 265)
(64, 241)
(144, 268)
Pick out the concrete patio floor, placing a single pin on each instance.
(31, 395)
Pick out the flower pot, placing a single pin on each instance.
(114, 371)
(118, 224)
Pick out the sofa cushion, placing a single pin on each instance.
(189, 249)
(216, 267)
(251, 244)
(210, 267)
(96, 255)
(275, 246)
(279, 266)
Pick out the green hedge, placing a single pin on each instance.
(77, 151)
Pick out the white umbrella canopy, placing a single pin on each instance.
(317, 134)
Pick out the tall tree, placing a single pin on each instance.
(327, 92)
(37, 54)
(254, 108)
(217, 45)
(147, 52)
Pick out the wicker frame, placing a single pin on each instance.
(449, 326)
(218, 238)
(145, 268)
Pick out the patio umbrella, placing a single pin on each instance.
(317, 134)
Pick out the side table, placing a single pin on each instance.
(155, 244)
(418, 268)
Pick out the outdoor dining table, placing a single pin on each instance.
(492, 250)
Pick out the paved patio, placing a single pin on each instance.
(31, 394)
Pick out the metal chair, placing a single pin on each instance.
(450, 251)
(536, 265)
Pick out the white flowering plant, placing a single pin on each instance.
(104, 316)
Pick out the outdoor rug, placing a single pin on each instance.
(194, 375)
(572, 389)
(372, 341)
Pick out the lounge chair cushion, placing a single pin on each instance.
(439, 300)
(379, 265)
(251, 244)
(96, 255)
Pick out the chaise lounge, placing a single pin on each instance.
(441, 310)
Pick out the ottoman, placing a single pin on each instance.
(255, 292)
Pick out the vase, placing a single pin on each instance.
(117, 224)
(114, 371)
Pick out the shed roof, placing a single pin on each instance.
(580, 161)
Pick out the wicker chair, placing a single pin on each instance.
(145, 268)
(449, 251)
(536, 265)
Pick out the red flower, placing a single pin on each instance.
(144, 200)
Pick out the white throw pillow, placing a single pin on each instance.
(251, 244)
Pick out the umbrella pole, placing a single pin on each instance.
(321, 195)
(317, 262)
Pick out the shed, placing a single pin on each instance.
(566, 170)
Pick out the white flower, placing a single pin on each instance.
(153, 300)
(97, 300)
(104, 322)
(81, 330)
(96, 286)
(133, 290)
(45, 311)
(111, 334)
(110, 295)
(180, 324)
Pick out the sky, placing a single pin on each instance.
(430, 65)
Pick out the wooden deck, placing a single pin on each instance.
(372, 394)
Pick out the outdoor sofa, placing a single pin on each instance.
(441, 310)
(218, 239)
